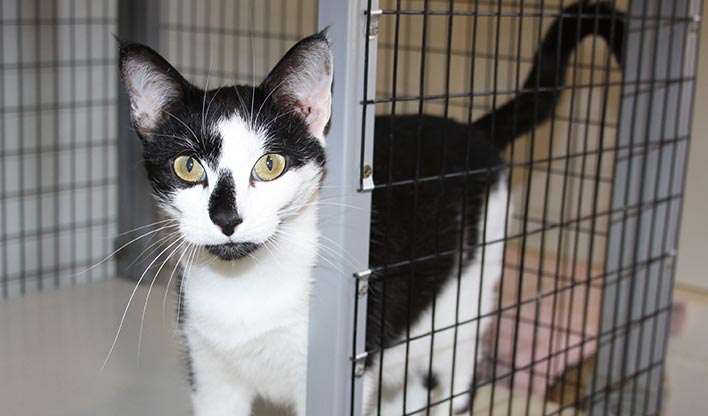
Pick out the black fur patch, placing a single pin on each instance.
(222, 204)
(285, 134)
(430, 381)
(232, 251)
(181, 314)
(418, 220)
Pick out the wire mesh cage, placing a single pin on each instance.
(589, 233)
(58, 116)
(525, 276)
(232, 42)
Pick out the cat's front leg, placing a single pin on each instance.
(216, 391)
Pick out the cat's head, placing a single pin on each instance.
(233, 163)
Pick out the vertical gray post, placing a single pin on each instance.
(335, 337)
(646, 206)
(138, 21)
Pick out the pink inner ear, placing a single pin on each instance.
(303, 108)
(145, 107)
(315, 106)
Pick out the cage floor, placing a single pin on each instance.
(52, 346)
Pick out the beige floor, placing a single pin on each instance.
(54, 343)
(687, 360)
(52, 346)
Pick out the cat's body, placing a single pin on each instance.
(239, 169)
(428, 222)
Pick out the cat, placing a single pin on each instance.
(428, 207)
(238, 170)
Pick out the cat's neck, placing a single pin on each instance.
(267, 289)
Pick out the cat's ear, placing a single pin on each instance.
(152, 84)
(302, 82)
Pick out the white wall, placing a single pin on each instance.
(692, 268)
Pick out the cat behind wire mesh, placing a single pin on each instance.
(238, 170)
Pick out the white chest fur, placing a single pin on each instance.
(246, 321)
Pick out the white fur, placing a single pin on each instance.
(445, 308)
(246, 321)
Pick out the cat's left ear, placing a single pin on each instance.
(302, 82)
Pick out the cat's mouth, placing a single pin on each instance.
(232, 251)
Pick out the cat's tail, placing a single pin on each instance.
(537, 98)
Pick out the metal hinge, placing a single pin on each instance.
(360, 364)
(367, 178)
(362, 279)
(374, 17)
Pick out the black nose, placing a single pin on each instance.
(228, 224)
(222, 204)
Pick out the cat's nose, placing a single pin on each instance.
(222, 204)
(227, 221)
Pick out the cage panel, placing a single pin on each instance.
(58, 123)
(546, 343)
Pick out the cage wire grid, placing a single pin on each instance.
(589, 247)
(563, 178)
(58, 128)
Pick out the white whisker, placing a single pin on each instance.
(253, 60)
(169, 281)
(144, 226)
(192, 146)
(147, 296)
(266, 99)
(185, 276)
(184, 124)
(125, 311)
(206, 88)
(157, 243)
(212, 99)
(121, 248)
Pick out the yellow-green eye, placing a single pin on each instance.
(269, 167)
(189, 169)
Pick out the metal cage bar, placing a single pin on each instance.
(136, 23)
(642, 242)
(337, 312)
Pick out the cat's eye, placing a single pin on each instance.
(189, 169)
(268, 167)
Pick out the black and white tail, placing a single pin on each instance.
(539, 94)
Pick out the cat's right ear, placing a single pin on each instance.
(152, 84)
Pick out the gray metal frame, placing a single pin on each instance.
(344, 219)
(137, 22)
(643, 237)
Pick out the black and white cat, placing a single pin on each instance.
(239, 170)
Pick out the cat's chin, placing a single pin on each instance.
(232, 251)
